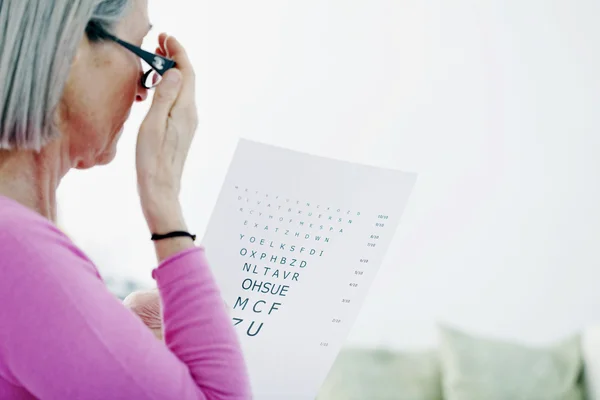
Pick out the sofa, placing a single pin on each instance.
(465, 366)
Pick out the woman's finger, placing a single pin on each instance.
(176, 51)
(163, 101)
(161, 40)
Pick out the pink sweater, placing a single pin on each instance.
(63, 335)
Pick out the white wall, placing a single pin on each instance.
(495, 103)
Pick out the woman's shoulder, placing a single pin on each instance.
(19, 222)
(27, 236)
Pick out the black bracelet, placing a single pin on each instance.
(156, 236)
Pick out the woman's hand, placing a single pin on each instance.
(164, 140)
(146, 305)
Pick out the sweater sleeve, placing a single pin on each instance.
(64, 335)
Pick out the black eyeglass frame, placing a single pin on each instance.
(156, 62)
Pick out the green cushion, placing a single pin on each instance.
(362, 374)
(476, 368)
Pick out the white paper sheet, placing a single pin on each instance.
(295, 241)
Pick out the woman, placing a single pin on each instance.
(69, 73)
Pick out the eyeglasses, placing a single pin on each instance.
(158, 64)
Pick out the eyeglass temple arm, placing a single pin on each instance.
(161, 66)
(151, 58)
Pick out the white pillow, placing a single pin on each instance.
(590, 343)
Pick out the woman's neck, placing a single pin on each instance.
(32, 178)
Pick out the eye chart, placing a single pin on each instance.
(295, 241)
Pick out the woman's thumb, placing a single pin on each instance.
(166, 94)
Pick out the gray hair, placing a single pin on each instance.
(39, 41)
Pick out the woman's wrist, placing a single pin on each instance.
(163, 215)
(163, 219)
